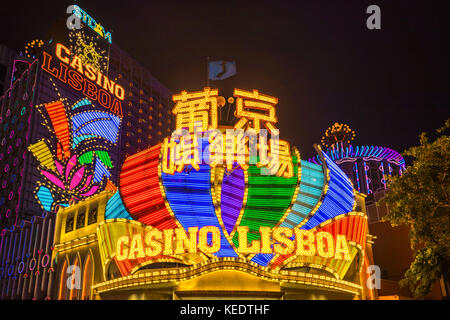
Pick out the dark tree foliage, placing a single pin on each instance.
(420, 199)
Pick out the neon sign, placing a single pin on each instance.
(197, 124)
(207, 239)
(85, 78)
(88, 20)
(194, 201)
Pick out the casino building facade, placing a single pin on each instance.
(99, 201)
(54, 117)
(190, 222)
(47, 101)
(91, 244)
(211, 231)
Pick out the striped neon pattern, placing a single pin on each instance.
(81, 103)
(339, 197)
(310, 190)
(339, 152)
(116, 209)
(101, 124)
(60, 126)
(311, 187)
(190, 198)
(104, 157)
(78, 139)
(100, 171)
(268, 199)
(233, 187)
(41, 151)
(45, 198)
(141, 191)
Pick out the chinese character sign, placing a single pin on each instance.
(245, 144)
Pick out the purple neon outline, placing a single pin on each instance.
(232, 197)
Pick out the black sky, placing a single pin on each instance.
(317, 56)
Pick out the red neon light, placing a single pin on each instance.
(140, 189)
(60, 126)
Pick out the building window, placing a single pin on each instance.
(69, 223)
(92, 217)
(80, 219)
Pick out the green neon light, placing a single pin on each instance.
(268, 199)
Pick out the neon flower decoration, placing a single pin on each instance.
(71, 181)
(79, 165)
(315, 198)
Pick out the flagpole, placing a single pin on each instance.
(207, 71)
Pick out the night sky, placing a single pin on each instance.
(317, 57)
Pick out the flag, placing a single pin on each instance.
(219, 70)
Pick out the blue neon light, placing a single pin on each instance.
(78, 139)
(81, 103)
(100, 171)
(382, 153)
(116, 209)
(45, 198)
(102, 124)
(189, 196)
(309, 193)
(310, 190)
(339, 198)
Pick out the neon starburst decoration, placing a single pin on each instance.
(87, 50)
(338, 133)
